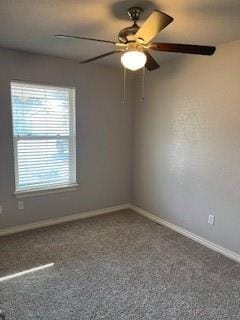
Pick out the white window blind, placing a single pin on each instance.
(44, 136)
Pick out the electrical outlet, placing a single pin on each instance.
(20, 205)
(1, 209)
(211, 219)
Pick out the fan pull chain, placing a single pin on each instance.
(124, 85)
(143, 84)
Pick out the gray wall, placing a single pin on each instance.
(186, 149)
(103, 137)
(185, 141)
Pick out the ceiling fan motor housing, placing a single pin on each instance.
(127, 34)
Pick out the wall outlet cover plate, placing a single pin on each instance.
(211, 219)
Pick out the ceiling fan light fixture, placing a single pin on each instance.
(136, 41)
(133, 59)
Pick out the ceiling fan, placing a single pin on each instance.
(135, 42)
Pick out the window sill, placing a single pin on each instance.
(27, 194)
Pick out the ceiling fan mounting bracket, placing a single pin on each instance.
(126, 35)
(135, 13)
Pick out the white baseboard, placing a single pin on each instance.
(50, 222)
(230, 254)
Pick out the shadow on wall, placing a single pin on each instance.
(173, 69)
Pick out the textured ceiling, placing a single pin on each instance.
(30, 25)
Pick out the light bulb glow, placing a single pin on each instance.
(133, 60)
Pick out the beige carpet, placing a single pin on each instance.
(115, 266)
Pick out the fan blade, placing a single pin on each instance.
(152, 26)
(183, 48)
(101, 56)
(63, 36)
(151, 63)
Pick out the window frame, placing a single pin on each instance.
(21, 193)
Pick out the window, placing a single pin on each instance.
(43, 136)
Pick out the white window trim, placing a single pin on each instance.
(30, 193)
(56, 189)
